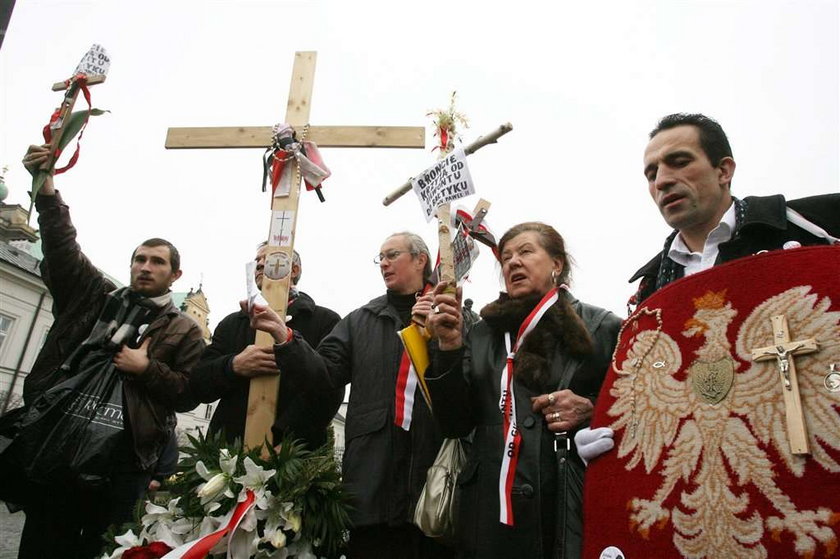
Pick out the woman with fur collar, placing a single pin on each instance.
(523, 382)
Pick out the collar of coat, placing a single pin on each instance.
(768, 211)
(560, 328)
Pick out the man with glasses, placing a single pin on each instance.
(391, 439)
(230, 361)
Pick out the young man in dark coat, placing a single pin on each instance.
(389, 446)
(689, 168)
(230, 361)
(135, 329)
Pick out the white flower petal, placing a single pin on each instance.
(202, 470)
(128, 539)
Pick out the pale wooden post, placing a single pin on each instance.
(262, 398)
(783, 350)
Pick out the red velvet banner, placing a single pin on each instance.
(702, 466)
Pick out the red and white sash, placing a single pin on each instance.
(406, 387)
(198, 549)
(507, 405)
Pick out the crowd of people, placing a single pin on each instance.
(520, 383)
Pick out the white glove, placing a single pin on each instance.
(592, 443)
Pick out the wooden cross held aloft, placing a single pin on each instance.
(262, 399)
(72, 88)
(783, 350)
(447, 268)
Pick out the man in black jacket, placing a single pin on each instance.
(689, 168)
(230, 361)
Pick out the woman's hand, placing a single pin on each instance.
(422, 309)
(563, 410)
(445, 320)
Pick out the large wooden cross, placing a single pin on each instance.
(262, 400)
(783, 350)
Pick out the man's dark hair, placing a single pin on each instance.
(174, 256)
(712, 137)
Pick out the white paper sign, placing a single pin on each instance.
(254, 295)
(464, 253)
(280, 232)
(447, 180)
(95, 62)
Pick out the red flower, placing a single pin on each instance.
(154, 550)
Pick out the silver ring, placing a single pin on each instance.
(556, 416)
(551, 398)
(436, 309)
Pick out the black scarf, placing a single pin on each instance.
(121, 317)
(559, 327)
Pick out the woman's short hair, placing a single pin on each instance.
(417, 246)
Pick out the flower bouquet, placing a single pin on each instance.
(228, 502)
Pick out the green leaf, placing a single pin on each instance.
(74, 125)
(38, 180)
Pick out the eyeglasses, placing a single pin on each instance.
(390, 256)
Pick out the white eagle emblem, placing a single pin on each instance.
(718, 450)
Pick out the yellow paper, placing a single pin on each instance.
(414, 339)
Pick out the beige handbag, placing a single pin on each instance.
(435, 514)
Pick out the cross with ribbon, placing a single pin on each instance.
(300, 160)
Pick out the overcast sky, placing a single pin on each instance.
(581, 82)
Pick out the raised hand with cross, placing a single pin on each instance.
(783, 350)
(263, 392)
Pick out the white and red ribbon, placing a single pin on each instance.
(507, 405)
(198, 549)
(311, 164)
(406, 388)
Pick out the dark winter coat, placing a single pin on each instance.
(305, 413)
(78, 290)
(384, 467)
(764, 227)
(570, 348)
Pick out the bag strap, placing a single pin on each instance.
(800, 221)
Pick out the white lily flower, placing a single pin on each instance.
(156, 513)
(294, 521)
(273, 532)
(218, 482)
(214, 487)
(202, 470)
(125, 541)
(278, 539)
(255, 478)
(209, 524)
(212, 507)
(242, 544)
(227, 462)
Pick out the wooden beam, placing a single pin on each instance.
(263, 390)
(91, 80)
(324, 136)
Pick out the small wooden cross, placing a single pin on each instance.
(262, 399)
(72, 88)
(783, 350)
